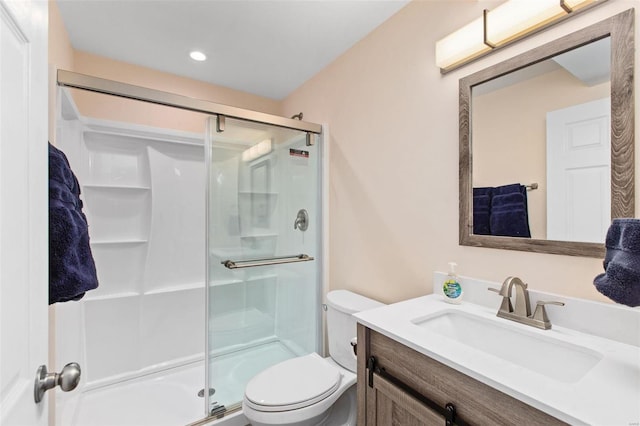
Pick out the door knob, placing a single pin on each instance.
(67, 379)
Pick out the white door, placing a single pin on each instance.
(579, 172)
(23, 208)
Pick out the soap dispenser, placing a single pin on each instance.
(451, 288)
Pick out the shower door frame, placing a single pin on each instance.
(129, 91)
(80, 81)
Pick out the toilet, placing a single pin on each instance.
(310, 390)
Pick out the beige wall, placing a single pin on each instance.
(394, 159)
(509, 134)
(118, 109)
(60, 56)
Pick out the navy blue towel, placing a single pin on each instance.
(481, 210)
(509, 211)
(72, 271)
(621, 280)
(514, 188)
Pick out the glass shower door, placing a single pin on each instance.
(263, 244)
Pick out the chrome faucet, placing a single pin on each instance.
(522, 311)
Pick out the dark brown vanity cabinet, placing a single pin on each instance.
(399, 386)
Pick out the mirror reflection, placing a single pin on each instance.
(541, 149)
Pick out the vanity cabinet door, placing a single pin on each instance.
(393, 406)
(475, 403)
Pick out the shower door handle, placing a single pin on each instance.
(237, 264)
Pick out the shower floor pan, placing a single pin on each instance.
(170, 397)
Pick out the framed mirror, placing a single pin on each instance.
(547, 144)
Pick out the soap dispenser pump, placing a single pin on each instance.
(451, 288)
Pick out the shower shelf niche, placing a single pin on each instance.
(115, 213)
(179, 288)
(216, 283)
(260, 235)
(260, 244)
(111, 296)
(262, 277)
(116, 187)
(117, 242)
(114, 161)
(252, 279)
(244, 193)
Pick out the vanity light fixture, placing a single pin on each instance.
(511, 21)
(256, 151)
(197, 56)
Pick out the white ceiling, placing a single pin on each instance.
(588, 63)
(268, 48)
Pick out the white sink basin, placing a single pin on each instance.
(510, 342)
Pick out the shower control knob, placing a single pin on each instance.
(302, 220)
(67, 379)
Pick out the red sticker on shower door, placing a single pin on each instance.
(298, 153)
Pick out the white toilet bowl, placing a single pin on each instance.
(303, 391)
(311, 390)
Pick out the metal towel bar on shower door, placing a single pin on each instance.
(236, 264)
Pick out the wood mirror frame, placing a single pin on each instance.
(621, 30)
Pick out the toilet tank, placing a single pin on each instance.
(341, 324)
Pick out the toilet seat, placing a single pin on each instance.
(293, 384)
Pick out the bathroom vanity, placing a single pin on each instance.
(423, 361)
(401, 383)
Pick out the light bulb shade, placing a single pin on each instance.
(462, 45)
(515, 18)
(510, 21)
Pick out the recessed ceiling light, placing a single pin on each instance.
(198, 56)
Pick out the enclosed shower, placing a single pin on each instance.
(206, 229)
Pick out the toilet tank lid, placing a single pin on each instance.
(349, 302)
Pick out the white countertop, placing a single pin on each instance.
(608, 394)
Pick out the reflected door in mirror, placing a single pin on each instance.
(578, 172)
